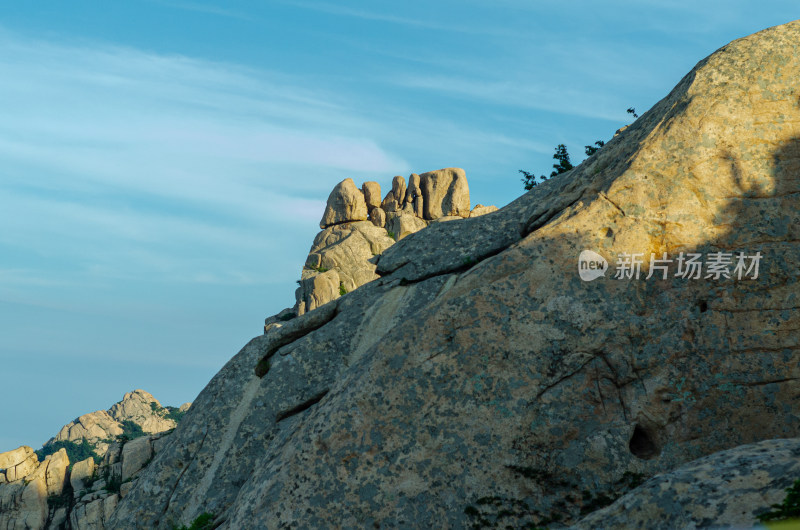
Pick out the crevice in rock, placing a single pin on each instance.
(180, 476)
(615, 205)
(302, 407)
(467, 265)
(546, 216)
(642, 444)
(288, 334)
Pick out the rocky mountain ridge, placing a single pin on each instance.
(475, 379)
(480, 373)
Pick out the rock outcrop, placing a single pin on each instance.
(24, 500)
(344, 254)
(480, 380)
(100, 426)
(345, 204)
(444, 193)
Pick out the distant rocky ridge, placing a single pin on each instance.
(357, 227)
(102, 426)
(55, 493)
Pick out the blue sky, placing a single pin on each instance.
(165, 163)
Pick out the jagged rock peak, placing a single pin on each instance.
(344, 254)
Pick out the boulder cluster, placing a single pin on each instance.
(358, 226)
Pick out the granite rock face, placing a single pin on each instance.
(23, 501)
(372, 194)
(479, 378)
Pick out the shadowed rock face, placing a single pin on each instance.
(480, 376)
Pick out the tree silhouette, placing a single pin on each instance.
(591, 149)
(564, 164)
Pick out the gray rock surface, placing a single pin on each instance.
(343, 255)
(480, 381)
(81, 473)
(413, 202)
(402, 224)
(135, 455)
(37, 495)
(378, 217)
(480, 209)
(23, 502)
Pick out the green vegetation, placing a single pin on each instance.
(170, 413)
(59, 501)
(321, 269)
(592, 149)
(342, 289)
(76, 452)
(564, 164)
(204, 521)
(391, 234)
(130, 431)
(175, 414)
(113, 482)
(561, 155)
(789, 509)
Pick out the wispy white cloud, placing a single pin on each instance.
(129, 161)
